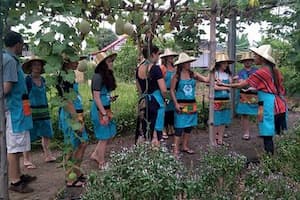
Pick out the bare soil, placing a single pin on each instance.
(50, 180)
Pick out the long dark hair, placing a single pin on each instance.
(275, 74)
(153, 49)
(227, 70)
(107, 75)
(179, 70)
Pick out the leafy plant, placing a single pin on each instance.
(138, 173)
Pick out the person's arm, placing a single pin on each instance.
(7, 86)
(241, 84)
(162, 86)
(172, 92)
(201, 78)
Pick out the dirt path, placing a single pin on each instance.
(51, 175)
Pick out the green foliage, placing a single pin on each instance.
(286, 159)
(137, 173)
(126, 62)
(216, 177)
(102, 38)
(242, 43)
(260, 185)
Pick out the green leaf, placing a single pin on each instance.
(48, 37)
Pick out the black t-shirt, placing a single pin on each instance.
(63, 86)
(154, 75)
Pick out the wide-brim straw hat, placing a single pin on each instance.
(100, 57)
(27, 65)
(264, 51)
(184, 58)
(246, 56)
(168, 52)
(76, 58)
(223, 57)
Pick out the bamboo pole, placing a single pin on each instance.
(3, 153)
(212, 50)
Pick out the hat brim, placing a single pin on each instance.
(229, 61)
(185, 61)
(168, 55)
(242, 60)
(269, 58)
(114, 55)
(26, 66)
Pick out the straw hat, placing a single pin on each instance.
(223, 57)
(78, 57)
(184, 58)
(264, 51)
(168, 52)
(246, 56)
(100, 57)
(27, 65)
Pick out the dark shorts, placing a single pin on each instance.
(180, 131)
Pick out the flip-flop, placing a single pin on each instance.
(50, 159)
(30, 166)
(246, 137)
(78, 183)
(188, 151)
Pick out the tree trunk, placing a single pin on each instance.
(232, 52)
(212, 50)
(3, 154)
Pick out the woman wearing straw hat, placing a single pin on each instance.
(247, 97)
(42, 126)
(183, 86)
(222, 112)
(167, 66)
(151, 86)
(103, 83)
(271, 104)
(71, 115)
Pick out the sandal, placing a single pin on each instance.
(223, 143)
(188, 151)
(27, 178)
(225, 135)
(76, 183)
(246, 137)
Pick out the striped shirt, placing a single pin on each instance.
(262, 80)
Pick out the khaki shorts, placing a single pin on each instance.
(16, 142)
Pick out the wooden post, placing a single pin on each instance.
(232, 53)
(3, 153)
(212, 50)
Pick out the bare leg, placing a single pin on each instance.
(99, 153)
(216, 135)
(28, 160)
(176, 146)
(185, 143)
(155, 142)
(47, 152)
(221, 133)
(14, 167)
(245, 124)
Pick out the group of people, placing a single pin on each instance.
(167, 104)
(168, 91)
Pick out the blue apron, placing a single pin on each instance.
(222, 112)
(20, 121)
(170, 106)
(246, 103)
(70, 136)
(103, 132)
(42, 126)
(159, 122)
(185, 91)
(266, 125)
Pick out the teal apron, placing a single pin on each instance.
(21, 121)
(70, 137)
(185, 92)
(42, 126)
(222, 112)
(103, 132)
(159, 123)
(266, 124)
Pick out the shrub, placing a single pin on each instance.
(137, 173)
